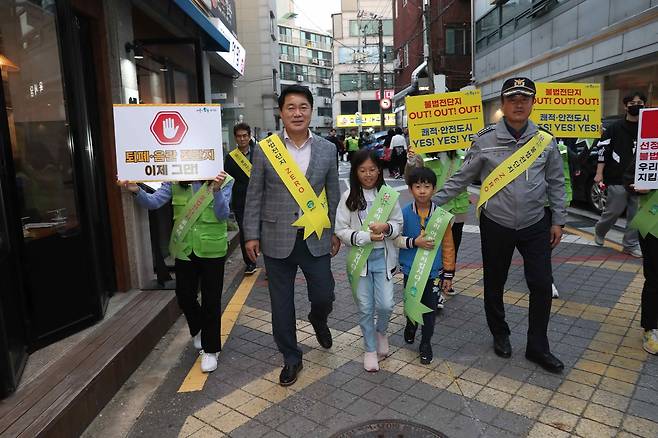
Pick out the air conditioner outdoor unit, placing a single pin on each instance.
(327, 100)
(300, 78)
(314, 61)
(326, 81)
(283, 57)
(321, 62)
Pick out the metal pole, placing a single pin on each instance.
(382, 125)
(427, 49)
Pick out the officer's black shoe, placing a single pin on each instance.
(502, 347)
(289, 373)
(545, 360)
(426, 354)
(322, 333)
(410, 332)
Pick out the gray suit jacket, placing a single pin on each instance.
(270, 209)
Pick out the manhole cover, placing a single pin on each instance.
(389, 429)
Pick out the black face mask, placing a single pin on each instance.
(634, 110)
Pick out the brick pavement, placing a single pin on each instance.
(609, 386)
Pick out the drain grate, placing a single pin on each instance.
(389, 429)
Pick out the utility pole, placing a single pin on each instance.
(382, 125)
(427, 47)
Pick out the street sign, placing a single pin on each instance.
(388, 94)
(168, 142)
(385, 103)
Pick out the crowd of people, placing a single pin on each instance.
(289, 207)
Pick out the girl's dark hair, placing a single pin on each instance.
(421, 175)
(356, 201)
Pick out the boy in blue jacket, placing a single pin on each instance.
(422, 184)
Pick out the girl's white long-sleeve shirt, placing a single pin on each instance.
(349, 223)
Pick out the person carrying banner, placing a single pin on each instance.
(417, 219)
(289, 216)
(368, 220)
(617, 151)
(520, 167)
(237, 163)
(198, 244)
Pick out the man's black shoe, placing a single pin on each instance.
(545, 360)
(322, 333)
(410, 332)
(289, 373)
(250, 269)
(426, 354)
(502, 347)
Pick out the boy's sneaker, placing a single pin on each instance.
(197, 341)
(556, 294)
(209, 362)
(633, 252)
(426, 354)
(410, 332)
(250, 269)
(650, 341)
(599, 240)
(440, 302)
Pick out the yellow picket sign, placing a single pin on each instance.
(568, 110)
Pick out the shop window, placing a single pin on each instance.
(348, 106)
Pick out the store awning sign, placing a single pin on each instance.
(352, 120)
(443, 122)
(168, 142)
(646, 164)
(568, 110)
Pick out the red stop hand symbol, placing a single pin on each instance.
(169, 127)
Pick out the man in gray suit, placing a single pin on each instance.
(270, 210)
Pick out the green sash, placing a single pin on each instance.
(380, 211)
(422, 266)
(191, 212)
(646, 219)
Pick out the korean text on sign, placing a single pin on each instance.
(168, 142)
(442, 122)
(646, 163)
(568, 110)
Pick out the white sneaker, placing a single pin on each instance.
(382, 346)
(209, 362)
(197, 341)
(599, 240)
(556, 294)
(441, 301)
(633, 252)
(370, 363)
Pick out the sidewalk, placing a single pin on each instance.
(609, 386)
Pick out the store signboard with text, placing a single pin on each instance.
(442, 122)
(568, 110)
(181, 142)
(646, 164)
(354, 120)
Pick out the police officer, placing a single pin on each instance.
(514, 217)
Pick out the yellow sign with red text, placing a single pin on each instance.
(442, 122)
(568, 110)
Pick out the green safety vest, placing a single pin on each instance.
(352, 144)
(459, 204)
(564, 152)
(207, 237)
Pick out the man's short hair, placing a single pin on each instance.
(242, 126)
(421, 175)
(295, 89)
(630, 97)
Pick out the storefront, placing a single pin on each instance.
(63, 244)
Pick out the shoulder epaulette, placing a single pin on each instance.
(486, 129)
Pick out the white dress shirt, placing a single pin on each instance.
(301, 154)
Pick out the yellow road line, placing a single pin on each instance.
(589, 236)
(195, 379)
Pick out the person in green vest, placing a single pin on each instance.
(201, 259)
(444, 165)
(352, 144)
(564, 153)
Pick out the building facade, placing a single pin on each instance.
(69, 237)
(259, 88)
(305, 59)
(356, 55)
(613, 43)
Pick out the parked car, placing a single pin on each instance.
(377, 143)
(582, 165)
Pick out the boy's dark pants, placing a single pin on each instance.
(429, 298)
(649, 307)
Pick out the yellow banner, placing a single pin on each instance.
(315, 217)
(568, 110)
(442, 122)
(241, 161)
(349, 120)
(513, 166)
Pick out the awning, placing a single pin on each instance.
(216, 41)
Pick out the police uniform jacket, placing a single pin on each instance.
(521, 202)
